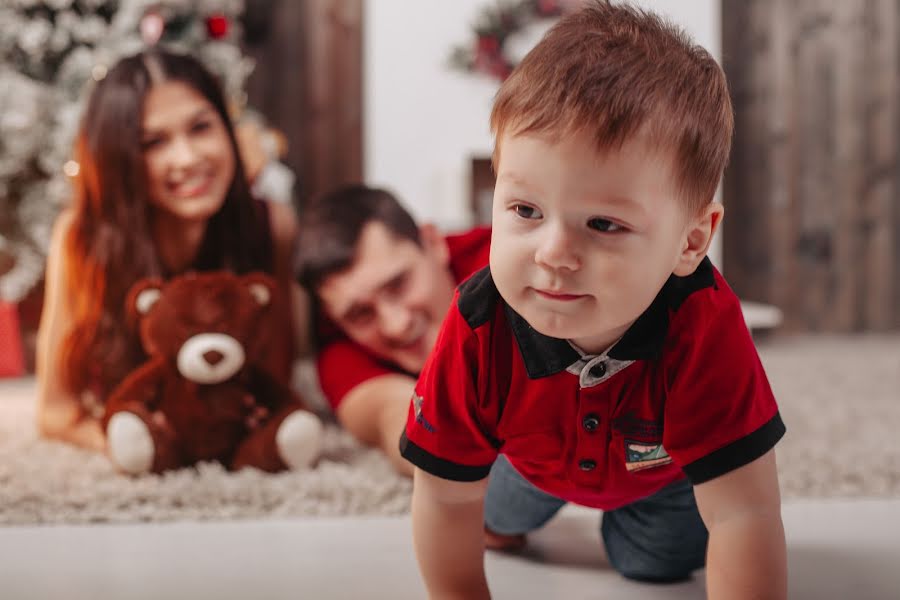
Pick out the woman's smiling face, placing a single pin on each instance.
(188, 155)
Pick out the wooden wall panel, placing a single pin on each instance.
(812, 222)
(308, 83)
(881, 235)
(750, 224)
(775, 78)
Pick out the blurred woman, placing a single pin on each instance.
(161, 190)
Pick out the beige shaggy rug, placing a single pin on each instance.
(840, 398)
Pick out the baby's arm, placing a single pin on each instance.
(742, 510)
(448, 531)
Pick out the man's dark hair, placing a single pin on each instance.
(331, 226)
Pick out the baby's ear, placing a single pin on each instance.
(261, 287)
(141, 298)
(697, 239)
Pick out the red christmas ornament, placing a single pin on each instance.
(487, 44)
(217, 26)
(549, 8)
(12, 361)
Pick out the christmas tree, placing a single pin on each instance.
(51, 52)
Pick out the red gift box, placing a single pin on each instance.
(12, 361)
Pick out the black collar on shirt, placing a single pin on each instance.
(545, 356)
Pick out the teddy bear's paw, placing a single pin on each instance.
(130, 444)
(299, 439)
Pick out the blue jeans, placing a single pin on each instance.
(660, 538)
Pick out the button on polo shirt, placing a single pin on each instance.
(598, 370)
(681, 393)
(590, 422)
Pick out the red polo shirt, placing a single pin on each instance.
(683, 392)
(343, 364)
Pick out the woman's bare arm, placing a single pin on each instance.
(60, 414)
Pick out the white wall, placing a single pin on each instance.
(424, 121)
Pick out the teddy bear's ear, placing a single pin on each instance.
(142, 296)
(146, 299)
(261, 293)
(260, 286)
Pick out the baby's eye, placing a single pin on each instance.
(527, 212)
(604, 225)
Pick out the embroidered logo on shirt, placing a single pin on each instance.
(630, 425)
(641, 455)
(420, 419)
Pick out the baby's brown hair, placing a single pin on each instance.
(616, 72)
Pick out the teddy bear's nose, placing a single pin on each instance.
(213, 357)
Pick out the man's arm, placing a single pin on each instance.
(375, 412)
(746, 558)
(448, 532)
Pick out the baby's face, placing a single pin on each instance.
(582, 242)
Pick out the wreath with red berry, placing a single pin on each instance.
(163, 23)
(488, 54)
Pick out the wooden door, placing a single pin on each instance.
(308, 83)
(812, 220)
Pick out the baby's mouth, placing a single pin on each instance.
(560, 296)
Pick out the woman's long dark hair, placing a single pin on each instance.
(110, 244)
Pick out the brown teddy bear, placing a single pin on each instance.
(200, 395)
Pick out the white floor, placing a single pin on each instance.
(847, 550)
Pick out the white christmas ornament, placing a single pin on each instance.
(152, 27)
